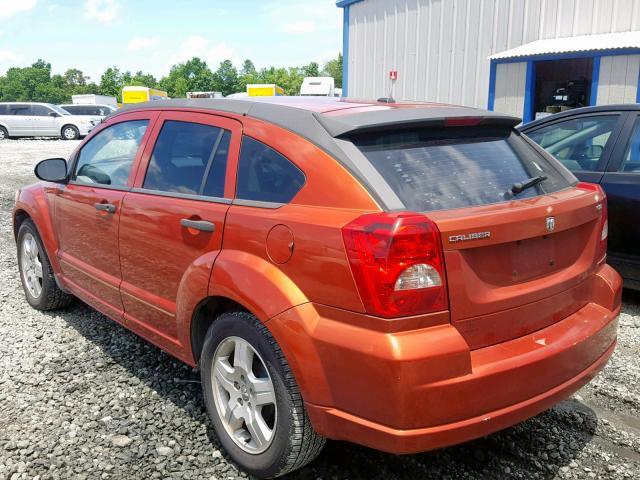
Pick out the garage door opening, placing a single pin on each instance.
(562, 85)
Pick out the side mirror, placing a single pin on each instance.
(54, 114)
(52, 170)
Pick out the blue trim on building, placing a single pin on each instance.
(345, 51)
(492, 85)
(569, 55)
(529, 92)
(346, 3)
(595, 77)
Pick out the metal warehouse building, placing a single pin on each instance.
(524, 57)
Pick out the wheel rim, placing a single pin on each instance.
(31, 263)
(3, 135)
(244, 395)
(69, 133)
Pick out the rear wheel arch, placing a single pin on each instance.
(203, 317)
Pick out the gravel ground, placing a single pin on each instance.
(80, 397)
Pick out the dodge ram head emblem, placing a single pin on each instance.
(551, 224)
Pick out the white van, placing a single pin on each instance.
(317, 87)
(28, 119)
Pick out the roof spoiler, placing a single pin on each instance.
(399, 118)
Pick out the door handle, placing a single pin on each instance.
(105, 207)
(201, 225)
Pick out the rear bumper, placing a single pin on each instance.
(423, 389)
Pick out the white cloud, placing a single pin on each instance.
(7, 56)
(141, 43)
(104, 11)
(299, 27)
(9, 8)
(199, 46)
(301, 18)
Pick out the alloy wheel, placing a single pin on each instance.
(244, 395)
(69, 133)
(31, 263)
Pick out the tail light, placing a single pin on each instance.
(397, 263)
(601, 251)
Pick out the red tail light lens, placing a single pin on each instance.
(601, 251)
(397, 263)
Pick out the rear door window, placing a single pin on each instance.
(189, 158)
(631, 159)
(579, 142)
(19, 110)
(4, 109)
(446, 168)
(265, 175)
(40, 111)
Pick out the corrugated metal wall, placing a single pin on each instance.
(440, 47)
(510, 82)
(618, 80)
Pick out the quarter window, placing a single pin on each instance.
(189, 158)
(265, 175)
(108, 157)
(578, 143)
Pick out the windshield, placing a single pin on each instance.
(57, 109)
(446, 168)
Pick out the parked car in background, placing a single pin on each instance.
(27, 119)
(94, 99)
(95, 112)
(602, 145)
(402, 276)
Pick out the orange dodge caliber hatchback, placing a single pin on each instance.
(402, 276)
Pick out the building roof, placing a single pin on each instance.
(582, 43)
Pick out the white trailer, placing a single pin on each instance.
(205, 95)
(93, 99)
(317, 87)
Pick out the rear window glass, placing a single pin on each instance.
(446, 168)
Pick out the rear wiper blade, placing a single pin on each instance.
(520, 187)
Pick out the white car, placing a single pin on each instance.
(29, 119)
(93, 111)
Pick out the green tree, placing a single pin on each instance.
(311, 70)
(248, 74)
(111, 83)
(144, 79)
(226, 78)
(333, 68)
(192, 75)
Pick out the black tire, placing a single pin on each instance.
(51, 297)
(295, 443)
(69, 132)
(4, 135)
